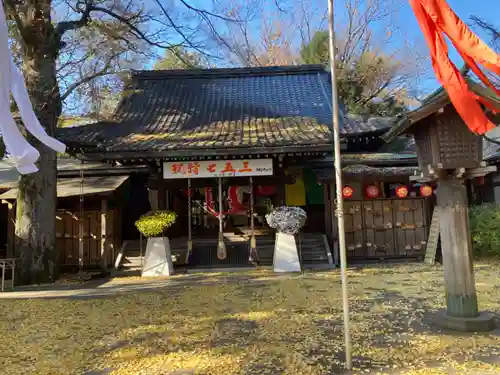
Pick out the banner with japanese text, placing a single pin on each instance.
(217, 168)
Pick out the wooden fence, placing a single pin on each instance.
(67, 237)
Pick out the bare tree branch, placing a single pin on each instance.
(181, 33)
(103, 72)
(12, 12)
(65, 26)
(490, 28)
(205, 12)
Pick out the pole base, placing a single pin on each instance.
(481, 323)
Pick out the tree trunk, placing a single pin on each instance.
(36, 200)
(461, 299)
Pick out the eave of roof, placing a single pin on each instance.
(66, 168)
(433, 103)
(221, 111)
(370, 159)
(367, 172)
(71, 187)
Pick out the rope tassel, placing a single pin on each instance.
(253, 257)
(221, 247)
(81, 222)
(189, 241)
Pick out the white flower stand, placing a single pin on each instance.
(286, 255)
(158, 258)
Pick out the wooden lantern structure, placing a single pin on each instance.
(449, 154)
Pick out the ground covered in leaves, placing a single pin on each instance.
(253, 323)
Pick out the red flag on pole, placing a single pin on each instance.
(436, 18)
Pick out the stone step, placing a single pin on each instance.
(311, 246)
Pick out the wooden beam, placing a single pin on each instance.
(235, 181)
(104, 233)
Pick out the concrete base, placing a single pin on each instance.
(482, 323)
(286, 255)
(158, 258)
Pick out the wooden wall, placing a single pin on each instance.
(380, 228)
(386, 228)
(67, 237)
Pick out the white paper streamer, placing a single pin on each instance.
(22, 153)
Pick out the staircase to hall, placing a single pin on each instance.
(314, 252)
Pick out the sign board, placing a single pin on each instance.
(217, 168)
(432, 240)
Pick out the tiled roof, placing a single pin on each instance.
(222, 109)
(375, 158)
(9, 176)
(366, 171)
(72, 187)
(435, 101)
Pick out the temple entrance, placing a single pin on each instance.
(236, 208)
(221, 208)
(243, 208)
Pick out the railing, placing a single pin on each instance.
(6, 264)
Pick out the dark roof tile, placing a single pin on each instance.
(164, 111)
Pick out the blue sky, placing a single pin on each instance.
(488, 10)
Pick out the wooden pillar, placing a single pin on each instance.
(11, 229)
(153, 199)
(461, 298)
(327, 211)
(156, 188)
(167, 199)
(104, 234)
(334, 228)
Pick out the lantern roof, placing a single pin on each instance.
(433, 104)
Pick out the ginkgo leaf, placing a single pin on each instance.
(250, 323)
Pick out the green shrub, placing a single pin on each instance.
(154, 224)
(485, 229)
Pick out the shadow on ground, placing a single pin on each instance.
(254, 323)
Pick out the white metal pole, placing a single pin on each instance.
(338, 182)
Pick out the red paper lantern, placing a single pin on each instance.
(372, 191)
(425, 190)
(266, 191)
(402, 191)
(347, 191)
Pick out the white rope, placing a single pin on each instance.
(81, 221)
(190, 241)
(253, 256)
(22, 153)
(221, 247)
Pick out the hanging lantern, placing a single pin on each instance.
(266, 191)
(235, 200)
(347, 191)
(209, 201)
(372, 191)
(425, 191)
(402, 191)
(480, 180)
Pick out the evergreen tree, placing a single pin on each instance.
(362, 82)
